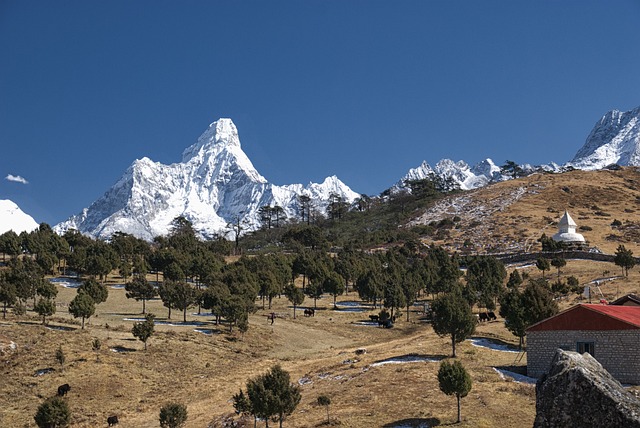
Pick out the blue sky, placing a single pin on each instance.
(364, 90)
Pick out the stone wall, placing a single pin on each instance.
(616, 350)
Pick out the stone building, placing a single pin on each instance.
(611, 334)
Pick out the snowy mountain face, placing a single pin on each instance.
(214, 185)
(614, 139)
(13, 218)
(467, 178)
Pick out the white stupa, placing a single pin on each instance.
(567, 230)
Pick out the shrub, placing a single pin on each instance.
(173, 415)
(54, 412)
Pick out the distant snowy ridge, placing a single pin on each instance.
(466, 177)
(13, 218)
(214, 185)
(615, 139)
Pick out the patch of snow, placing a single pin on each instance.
(515, 376)
(169, 323)
(487, 343)
(66, 282)
(367, 323)
(405, 359)
(43, 372)
(206, 331)
(304, 381)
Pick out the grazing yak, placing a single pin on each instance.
(63, 389)
(112, 420)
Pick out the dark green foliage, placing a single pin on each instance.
(295, 296)
(271, 395)
(523, 309)
(8, 295)
(60, 357)
(98, 292)
(82, 306)
(46, 289)
(573, 282)
(307, 236)
(185, 297)
(454, 380)
(10, 244)
(140, 289)
(370, 285)
(558, 262)
(452, 317)
(45, 308)
(543, 264)
(173, 415)
(514, 279)
(624, 258)
(334, 285)
(241, 403)
(548, 244)
(323, 400)
(511, 168)
(144, 330)
(235, 310)
(167, 292)
(53, 413)
(485, 279)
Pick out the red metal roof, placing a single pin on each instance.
(592, 317)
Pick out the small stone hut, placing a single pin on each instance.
(611, 334)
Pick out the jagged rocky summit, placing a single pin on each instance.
(615, 139)
(214, 185)
(13, 218)
(460, 172)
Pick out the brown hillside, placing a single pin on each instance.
(512, 215)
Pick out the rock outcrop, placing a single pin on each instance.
(579, 392)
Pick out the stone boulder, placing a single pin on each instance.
(579, 392)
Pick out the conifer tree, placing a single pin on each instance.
(454, 380)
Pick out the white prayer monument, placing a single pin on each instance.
(567, 230)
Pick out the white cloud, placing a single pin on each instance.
(16, 178)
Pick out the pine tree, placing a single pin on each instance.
(144, 330)
(624, 258)
(452, 317)
(454, 380)
(82, 306)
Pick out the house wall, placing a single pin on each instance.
(616, 350)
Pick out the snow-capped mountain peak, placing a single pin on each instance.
(215, 184)
(465, 177)
(13, 218)
(614, 139)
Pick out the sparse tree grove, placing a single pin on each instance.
(357, 248)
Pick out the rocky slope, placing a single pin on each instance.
(614, 139)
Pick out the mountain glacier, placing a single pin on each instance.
(614, 139)
(13, 218)
(214, 185)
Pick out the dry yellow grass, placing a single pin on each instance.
(512, 215)
(203, 371)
